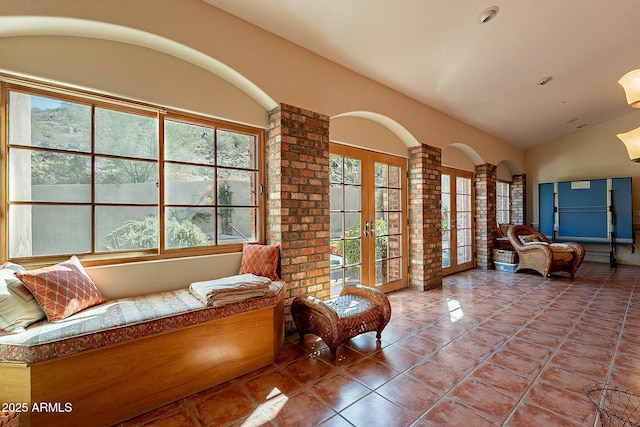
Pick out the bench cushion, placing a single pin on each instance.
(119, 321)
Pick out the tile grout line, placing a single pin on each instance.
(606, 287)
(615, 350)
(446, 394)
(557, 349)
(535, 379)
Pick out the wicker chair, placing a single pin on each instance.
(357, 310)
(537, 253)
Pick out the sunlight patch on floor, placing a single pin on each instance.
(269, 409)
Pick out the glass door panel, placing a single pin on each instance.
(388, 226)
(345, 195)
(457, 220)
(368, 219)
(464, 222)
(446, 221)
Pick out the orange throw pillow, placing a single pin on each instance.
(62, 289)
(261, 260)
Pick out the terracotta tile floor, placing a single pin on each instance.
(488, 348)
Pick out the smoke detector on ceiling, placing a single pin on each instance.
(487, 15)
(543, 81)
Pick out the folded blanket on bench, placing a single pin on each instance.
(219, 292)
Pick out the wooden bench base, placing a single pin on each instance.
(111, 384)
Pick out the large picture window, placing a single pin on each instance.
(101, 179)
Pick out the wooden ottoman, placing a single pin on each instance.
(357, 310)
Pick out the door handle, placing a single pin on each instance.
(368, 229)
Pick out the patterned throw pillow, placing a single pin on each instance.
(62, 289)
(18, 307)
(261, 260)
(529, 238)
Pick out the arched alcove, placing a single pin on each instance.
(506, 170)
(371, 131)
(461, 156)
(89, 55)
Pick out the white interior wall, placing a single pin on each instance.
(138, 278)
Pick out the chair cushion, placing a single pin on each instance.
(561, 252)
(528, 238)
(561, 247)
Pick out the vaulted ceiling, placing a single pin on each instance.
(484, 74)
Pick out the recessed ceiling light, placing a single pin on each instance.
(543, 81)
(487, 15)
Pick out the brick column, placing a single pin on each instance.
(425, 227)
(297, 162)
(485, 216)
(519, 199)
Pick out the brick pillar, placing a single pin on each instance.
(425, 227)
(297, 162)
(519, 199)
(486, 222)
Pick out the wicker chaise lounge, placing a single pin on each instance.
(357, 310)
(537, 253)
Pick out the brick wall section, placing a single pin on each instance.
(485, 216)
(518, 199)
(297, 163)
(425, 229)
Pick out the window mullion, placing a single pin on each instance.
(161, 184)
(93, 179)
(215, 186)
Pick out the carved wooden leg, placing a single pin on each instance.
(332, 354)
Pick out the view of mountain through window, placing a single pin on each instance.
(88, 178)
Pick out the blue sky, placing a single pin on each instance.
(44, 103)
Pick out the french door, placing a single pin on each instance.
(368, 219)
(457, 220)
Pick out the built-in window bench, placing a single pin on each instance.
(114, 361)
